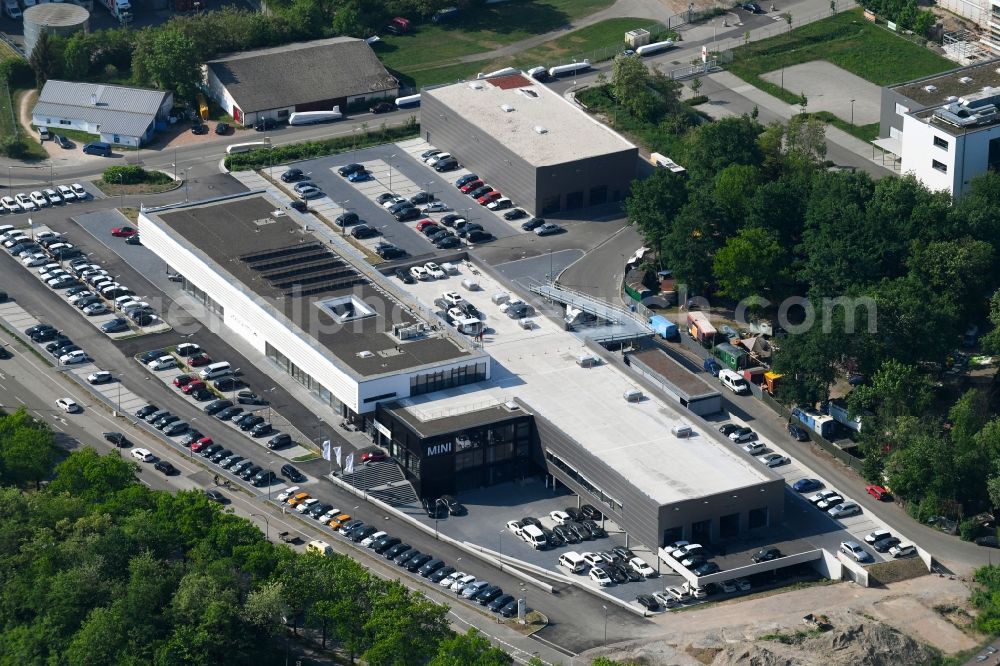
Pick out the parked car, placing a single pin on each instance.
(798, 433)
(854, 550)
(765, 555)
(806, 485)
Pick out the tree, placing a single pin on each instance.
(630, 86)
(712, 147)
(652, 205)
(895, 390)
(168, 59)
(695, 85)
(88, 475)
(957, 271)
(26, 455)
(45, 59)
(469, 649)
(991, 341)
(750, 264)
(690, 243)
(404, 628)
(76, 56)
(806, 137)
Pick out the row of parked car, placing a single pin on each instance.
(58, 345)
(753, 445)
(392, 548)
(38, 199)
(100, 293)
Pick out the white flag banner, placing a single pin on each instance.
(349, 464)
(326, 450)
(336, 454)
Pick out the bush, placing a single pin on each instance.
(13, 147)
(696, 100)
(257, 159)
(17, 72)
(125, 175)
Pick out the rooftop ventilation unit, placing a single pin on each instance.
(475, 85)
(961, 115)
(507, 108)
(365, 354)
(930, 89)
(966, 79)
(528, 92)
(950, 98)
(540, 130)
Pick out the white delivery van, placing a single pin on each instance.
(573, 561)
(733, 381)
(534, 536)
(215, 370)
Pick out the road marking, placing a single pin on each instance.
(19, 400)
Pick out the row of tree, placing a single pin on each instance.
(169, 56)
(894, 273)
(98, 569)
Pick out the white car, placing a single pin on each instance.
(665, 599)
(95, 309)
(560, 517)
(506, 305)
(306, 505)
(822, 495)
(76, 298)
(450, 579)
(686, 550)
(435, 207)
(728, 586)
(775, 460)
(66, 193)
(74, 358)
(878, 535)
(830, 502)
(39, 199)
(68, 405)
(844, 510)
(754, 448)
(420, 273)
(287, 492)
(452, 297)
(434, 159)
(142, 455)
(389, 203)
(435, 271)
(162, 364)
(514, 526)
(10, 205)
(33, 260)
(329, 515)
(100, 377)
(25, 202)
(600, 576)
(904, 549)
(679, 593)
(853, 549)
(638, 564)
(593, 559)
(743, 584)
(79, 191)
(368, 541)
(500, 204)
(460, 583)
(14, 240)
(52, 196)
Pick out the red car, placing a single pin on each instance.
(424, 223)
(201, 443)
(192, 386)
(879, 493)
(182, 380)
(124, 232)
(468, 187)
(489, 197)
(373, 456)
(199, 360)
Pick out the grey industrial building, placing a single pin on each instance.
(537, 148)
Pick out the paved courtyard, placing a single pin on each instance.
(830, 88)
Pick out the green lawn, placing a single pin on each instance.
(480, 29)
(846, 40)
(597, 42)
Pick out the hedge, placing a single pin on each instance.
(132, 175)
(294, 152)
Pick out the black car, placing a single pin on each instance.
(217, 406)
(500, 602)
(439, 235)
(261, 429)
(384, 544)
(591, 513)
(532, 224)
(574, 513)
(249, 398)
(616, 573)
(231, 461)
(407, 214)
(596, 530)
(143, 412)
(223, 128)
(318, 510)
(580, 531)
(191, 437)
(226, 384)
(465, 180)
(200, 128)
(552, 539)
(63, 142)
(250, 422)
(210, 450)
(430, 567)
(300, 206)
(422, 198)
(292, 474)
(433, 508)
(441, 574)
(215, 496)
(414, 563)
(479, 236)
(480, 191)
(429, 153)
(488, 594)
(44, 335)
(509, 610)
(152, 355)
(448, 243)
(446, 165)
(798, 433)
(361, 533)
(382, 107)
(728, 428)
(5, 353)
(164, 419)
(228, 413)
(404, 276)
(648, 602)
(250, 472)
(455, 508)
(292, 175)
(753, 8)
(220, 456)
(520, 311)
(165, 467)
(452, 220)
(265, 124)
(346, 219)
(202, 394)
(705, 569)
(348, 169)
(883, 545)
(765, 555)
(391, 552)
(385, 196)
(566, 534)
(117, 438)
(279, 441)
(364, 231)
(404, 558)
(388, 251)
(622, 553)
(175, 429)
(59, 343)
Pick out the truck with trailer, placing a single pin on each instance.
(663, 327)
(315, 117)
(699, 328)
(821, 424)
(571, 68)
(120, 9)
(655, 47)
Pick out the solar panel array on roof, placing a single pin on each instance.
(303, 270)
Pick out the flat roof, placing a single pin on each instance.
(949, 84)
(541, 126)
(538, 366)
(692, 386)
(430, 427)
(279, 260)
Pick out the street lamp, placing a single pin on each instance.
(184, 177)
(391, 157)
(121, 192)
(605, 624)
(343, 211)
(852, 113)
(267, 528)
(500, 548)
(437, 514)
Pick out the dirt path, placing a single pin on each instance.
(25, 103)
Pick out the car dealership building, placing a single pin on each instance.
(542, 151)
